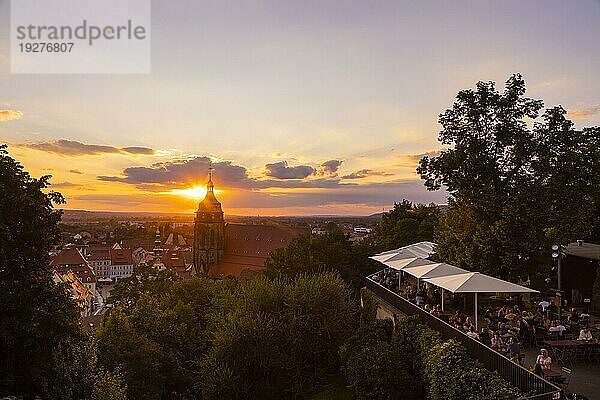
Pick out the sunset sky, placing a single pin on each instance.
(301, 107)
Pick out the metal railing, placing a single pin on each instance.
(515, 374)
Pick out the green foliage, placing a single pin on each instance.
(215, 340)
(515, 190)
(331, 251)
(281, 338)
(145, 280)
(403, 225)
(415, 363)
(158, 340)
(377, 366)
(452, 375)
(38, 320)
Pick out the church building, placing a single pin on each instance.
(223, 249)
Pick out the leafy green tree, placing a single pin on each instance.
(403, 225)
(38, 320)
(145, 280)
(158, 341)
(280, 339)
(514, 189)
(332, 251)
(452, 375)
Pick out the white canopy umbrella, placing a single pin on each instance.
(434, 270)
(475, 282)
(419, 250)
(408, 263)
(403, 263)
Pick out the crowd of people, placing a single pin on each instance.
(506, 328)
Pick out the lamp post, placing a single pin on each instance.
(558, 253)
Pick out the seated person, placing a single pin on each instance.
(419, 299)
(502, 328)
(468, 324)
(485, 337)
(513, 348)
(557, 327)
(544, 360)
(584, 317)
(497, 342)
(472, 333)
(573, 316)
(585, 334)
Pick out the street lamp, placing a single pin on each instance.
(558, 253)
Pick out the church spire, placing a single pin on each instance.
(210, 187)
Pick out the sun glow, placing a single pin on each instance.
(196, 192)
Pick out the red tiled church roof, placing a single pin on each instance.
(247, 248)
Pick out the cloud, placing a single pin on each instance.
(363, 173)
(183, 172)
(76, 171)
(180, 173)
(583, 113)
(138, 150)
(65, 185)
(330, 167)
(280, 170)
(74, 148)
(10, 115)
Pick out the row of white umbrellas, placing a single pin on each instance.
(413, 260)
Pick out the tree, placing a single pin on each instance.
(403, 225)
(38, 320)
(145, 280)
(157, 340)
(514, 189)
(280, 338)
(332, 251)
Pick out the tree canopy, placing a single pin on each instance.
(518, 181)
(38, 320)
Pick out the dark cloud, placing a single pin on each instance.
(281, 170)
(363, 173)
(330, 167)
(76, 171)
(174, 174)
(10, 115)
(583, 113)
(183, 172)
(138, 150)
(74, 148)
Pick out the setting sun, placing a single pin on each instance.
(196, 192)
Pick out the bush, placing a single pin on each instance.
(452, 374)
(280, 338)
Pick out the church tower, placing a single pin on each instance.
(209, 231)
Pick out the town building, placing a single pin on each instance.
(71, 259)
(83, 297)
(222, 249)
(121, 262)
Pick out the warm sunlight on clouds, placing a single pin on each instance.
(9, 115)
(73, 148)
(579, 114)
